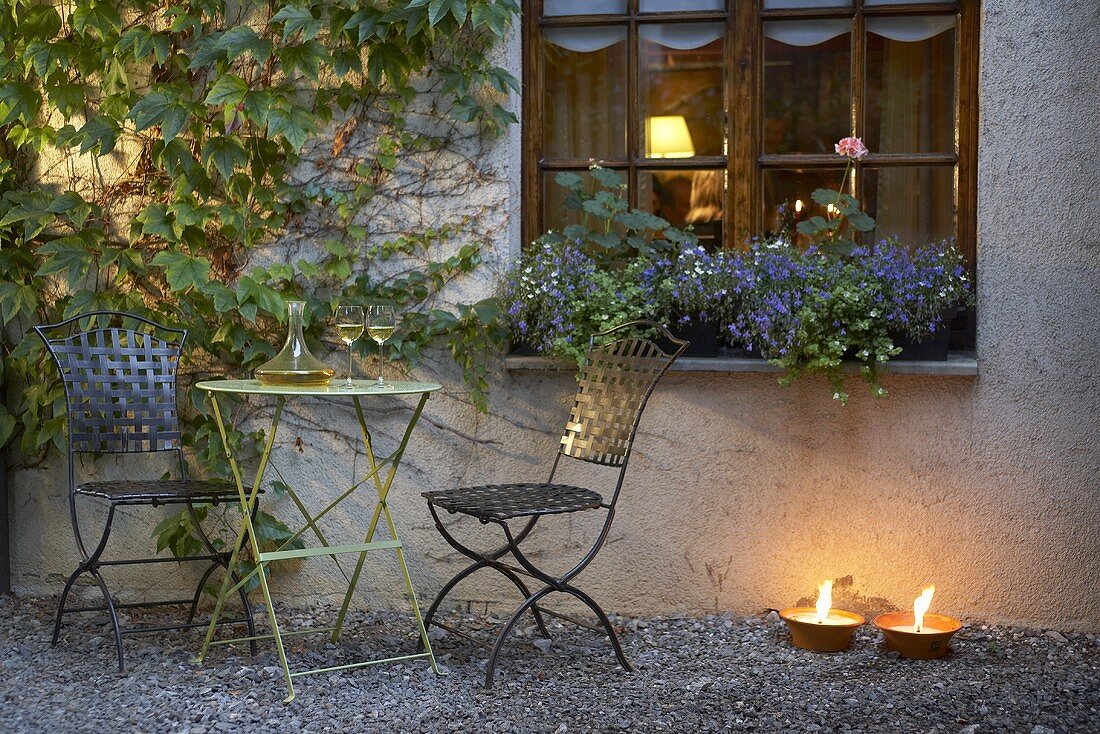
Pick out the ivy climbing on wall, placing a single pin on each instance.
(200, 162)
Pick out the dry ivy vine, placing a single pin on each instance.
(201, 162)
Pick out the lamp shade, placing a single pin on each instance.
(667, 136)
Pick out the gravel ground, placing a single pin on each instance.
(718, 673)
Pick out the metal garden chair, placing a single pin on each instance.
(613, 388)
(119, 376)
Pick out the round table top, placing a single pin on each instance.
(334, 389)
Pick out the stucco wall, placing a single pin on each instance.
(742, 494)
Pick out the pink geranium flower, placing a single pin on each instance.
(852, 148)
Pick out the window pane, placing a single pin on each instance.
(583, 7)
(681, 73)
(666, 6)
(783, 4)
(916, 204)
(584, 93)
(807, 91)
(795, 189)
(695, 197)
(894, 2)
(911, 84)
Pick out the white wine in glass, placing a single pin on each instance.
(349, 327)
(381, 322)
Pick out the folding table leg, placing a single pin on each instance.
(248, 503)
(383, 489)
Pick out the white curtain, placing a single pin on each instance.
(665, 6)
(673, 35)
(583, 7)
(788, 4)
(790, 32)
(814, 32)
(585, 40)
(910, 30)
(683, 36)
(807, 32)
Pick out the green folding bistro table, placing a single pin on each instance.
(382, 480)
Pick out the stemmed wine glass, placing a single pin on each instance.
(381, 321)
(349, 327)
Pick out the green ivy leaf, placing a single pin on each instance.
(186, 213)
(73, 206)
(264, 296)
(16, 299)
(228, 90)
(367, 22)
(136, 42)
(388, 60)
(39, 21)
(18, 101)
(40, 56)
(305, 57)
(30, 208)
(68, 255)
(98, 16)
(157, 221)
(181, 270)
(99, 134)
(437, 9)
(292, 123)
(7, 425)
(496, 14)
(458, 11)
(228, 46)
(127, 260)
(295, 19)
(158, 108)
(225, 153)
(67, 98)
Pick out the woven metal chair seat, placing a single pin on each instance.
(504, 501)
(160, 490)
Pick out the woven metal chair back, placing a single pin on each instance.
(120, 381)
(614, 386)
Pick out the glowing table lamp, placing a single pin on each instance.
(668, 137)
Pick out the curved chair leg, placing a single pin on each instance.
(482, 560)
(507, 628)
(447, 587)
(61, 604)
(88, 565)
(526, 593)
(114, 617)
(198, 591)
(603, 620)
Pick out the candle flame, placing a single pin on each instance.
(824, 600)
(920, 606)
(798, 206)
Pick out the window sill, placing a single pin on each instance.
(957, 364)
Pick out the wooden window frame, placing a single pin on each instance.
(746, 162)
